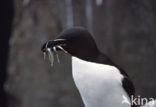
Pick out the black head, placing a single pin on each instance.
(76, 41)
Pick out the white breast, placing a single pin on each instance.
(99, 85)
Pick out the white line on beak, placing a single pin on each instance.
(59, 40)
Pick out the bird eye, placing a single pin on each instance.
(63, 44)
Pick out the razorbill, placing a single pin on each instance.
(100, 82)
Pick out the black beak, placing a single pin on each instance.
(48, 44)
(52, 44)
(51, 47)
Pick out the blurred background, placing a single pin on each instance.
(125, 30)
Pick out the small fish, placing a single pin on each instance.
(61, 49)
(54, 48)
(50, 53)
(51, 56)
(44, 55)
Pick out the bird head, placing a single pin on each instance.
(76, 41)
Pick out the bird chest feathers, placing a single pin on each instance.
(98, 84)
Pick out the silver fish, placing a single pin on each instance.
(50, 53)
(61, 49)
(51, 56)
(44, 54)
(54, 48)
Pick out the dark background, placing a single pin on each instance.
(125, 30)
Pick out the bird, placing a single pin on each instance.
(100, 82)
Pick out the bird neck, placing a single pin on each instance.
(96, 57)
(103, 59)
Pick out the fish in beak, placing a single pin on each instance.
(51, 49)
